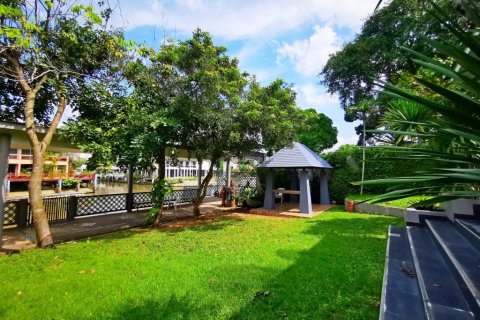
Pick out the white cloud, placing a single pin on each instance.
(68, 113)
(237, 19)
(313, 96)
(310, 55)
(341, 140)
(190, 4)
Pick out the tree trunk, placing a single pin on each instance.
(42, 229)
(202, 191)
(161, 176)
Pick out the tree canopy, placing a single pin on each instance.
(376, 53)
(189, 94)
(48, 51)
(317, 131)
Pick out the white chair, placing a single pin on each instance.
(279, 195)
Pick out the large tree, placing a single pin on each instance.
(222, 112)
(190, 95)
(456, 106)
(48, 51)
(205, 105)
(316, 131)
(375, 54)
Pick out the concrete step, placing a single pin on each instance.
(401, 297)
(470, 228)
(441, 294)
(462, 256)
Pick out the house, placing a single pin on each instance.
(20, 161)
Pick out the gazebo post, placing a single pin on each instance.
(293, 185)
(305, 197)
(269, 200)
(324, 196)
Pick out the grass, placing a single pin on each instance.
(328, 267)
(399, 203)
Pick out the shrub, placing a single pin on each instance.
(347, 164)
(69, 183)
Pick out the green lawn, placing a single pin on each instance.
(329, 267)
(399, 203)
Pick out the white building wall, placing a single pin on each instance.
(184, 168)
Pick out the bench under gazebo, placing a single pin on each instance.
(303, 163)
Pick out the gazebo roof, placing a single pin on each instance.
(297, 156)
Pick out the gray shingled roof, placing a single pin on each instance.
(298, 156)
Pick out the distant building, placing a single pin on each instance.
(183, 168)
(21, 161)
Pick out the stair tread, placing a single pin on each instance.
(437, 283)
(444, 313)
(472, 223)
(464, 255)
(402, 299)
(470, 227)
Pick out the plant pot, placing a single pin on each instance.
(350, 206)
(230, 203)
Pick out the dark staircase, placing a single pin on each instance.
(432, 271)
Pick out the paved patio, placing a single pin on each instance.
(85, 227)
(289, 209)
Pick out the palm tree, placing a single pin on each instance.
(404, 117)
(459, 115)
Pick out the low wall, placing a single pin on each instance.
(377, 209)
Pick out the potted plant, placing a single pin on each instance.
(229, 197)
(247, 194)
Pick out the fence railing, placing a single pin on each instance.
(61, 208)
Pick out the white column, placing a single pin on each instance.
(4, 151)
(199, 172)
(228, 173)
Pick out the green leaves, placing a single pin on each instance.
(9, 12)
(375, 52)
(456, 137)
(316, 131)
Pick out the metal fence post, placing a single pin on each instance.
(21, 213)
(72, 207)
(129, 205)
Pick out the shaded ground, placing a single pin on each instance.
(219, 267)
(82, 228)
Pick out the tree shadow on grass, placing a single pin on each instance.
(338, 278)
(201, 224)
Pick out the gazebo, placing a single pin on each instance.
(304, 164)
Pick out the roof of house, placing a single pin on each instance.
(297, 156)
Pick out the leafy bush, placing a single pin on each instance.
(247, 194)
(160, 190)
(347, 164)
(69, 183)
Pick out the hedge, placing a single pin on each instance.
(347, 164)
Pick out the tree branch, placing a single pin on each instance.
(18, 71)
(40, 84)
(54, 124)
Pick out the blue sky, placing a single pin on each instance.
(272, 38)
